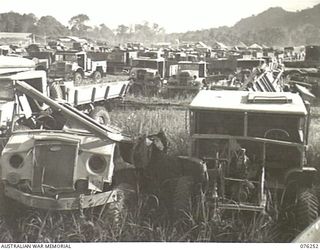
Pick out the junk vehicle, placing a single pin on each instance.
(95, 99)
(147, 75)
(221, 66)
(10, 64)
(120, 61)
(311, 58)
(249, 64)
(262, 79)
(310, 234)
(5, 50)
(42, 56)
(307, 71)
(190, 77)
(75, 65)
(54, 165)
(254, 145)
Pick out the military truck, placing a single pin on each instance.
(93, 99)
(310, 60)
(41, 55)
(190, 78)
(254, 145)
(10, 64)
(120, 61)
(75, 65)
(306, 71)
(147, 75)
(65, 160)
(249, 64)
(221, 66)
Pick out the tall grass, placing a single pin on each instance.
(43, 226)
(144, 223)
(172, 122)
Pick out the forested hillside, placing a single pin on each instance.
(273, 27)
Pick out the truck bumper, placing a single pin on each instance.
(71, 203)
(65, 76)
(182, 87)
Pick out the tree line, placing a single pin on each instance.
(148, 33)
(50, 27)
(307, 34)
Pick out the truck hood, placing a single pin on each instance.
(74, 115)
(148, 70)
(45, 154)
(188, 73)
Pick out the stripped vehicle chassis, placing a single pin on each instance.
(246, 171)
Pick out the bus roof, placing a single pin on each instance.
(266, 102)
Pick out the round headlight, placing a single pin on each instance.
(16, 161)
(13, 178)
(97, 164)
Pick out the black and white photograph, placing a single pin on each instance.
(159, 121)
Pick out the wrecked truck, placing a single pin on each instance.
(94, 99)
(147, 75)
(189, 79)
(66, 161)
(254, 145)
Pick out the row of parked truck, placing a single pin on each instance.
(148, 70)
(247, 150)
(163, 70)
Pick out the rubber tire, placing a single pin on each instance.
(55, 91)
(181, 200)
(77, 78)
(101, 115)
(97, 76)
(306, 209)
(116, 210)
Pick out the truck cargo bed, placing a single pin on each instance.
(91, 93)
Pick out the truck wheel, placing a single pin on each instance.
(101, 115)
(116, 210)
(97, 76)
(55, 91)
(181, 197)
(306, 209)
(77, 78)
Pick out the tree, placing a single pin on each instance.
(14, 22)
(106, 33)
(49, 26)
(122, 32)
(28, 23)
(78, 26)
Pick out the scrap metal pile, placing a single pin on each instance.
(262, 79)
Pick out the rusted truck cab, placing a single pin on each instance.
(75, 65)
(253, 143)
(53, 156)
(147, 74)
(57, 170)
(189, 79)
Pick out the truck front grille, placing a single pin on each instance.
(57, 69)
(54, 164)
(141, 74)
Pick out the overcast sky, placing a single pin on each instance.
(173, 15)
